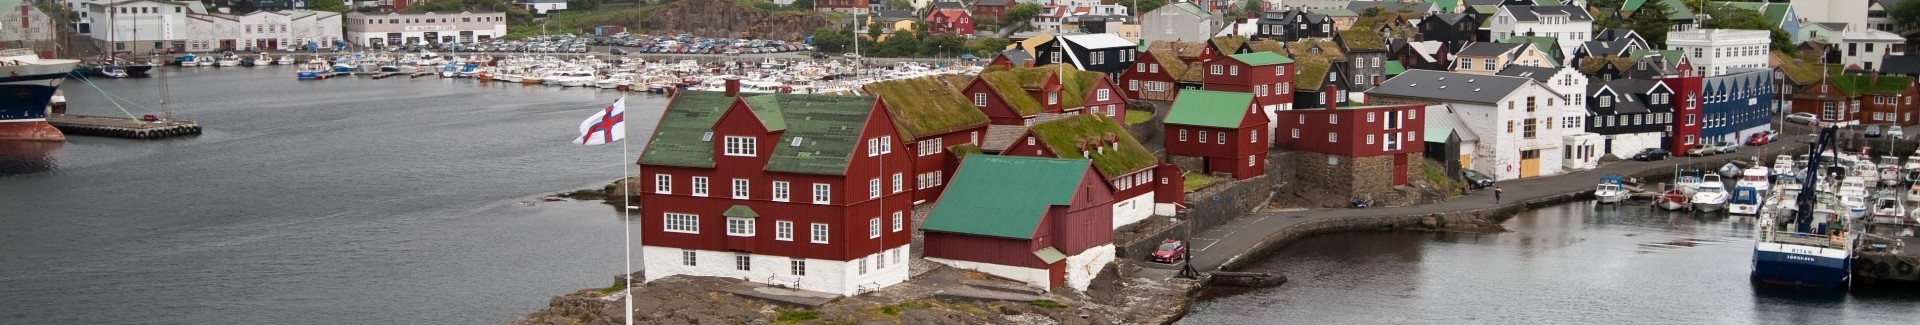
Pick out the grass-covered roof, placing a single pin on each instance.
(1855, 85)
(1064, 136)
(926, 106)
(1228, 44)
(1007, 84)
(1169, 62)
(1360, 40)
(1267, 45)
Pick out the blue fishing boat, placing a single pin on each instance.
(1809, 246)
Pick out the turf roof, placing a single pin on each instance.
(1007, 84)
(1307, 63)
(828, 128)
(1267, 45)
(926, 106)
(977, 201)
(1854, 85)
(1013, 84)
(1064, 136)
(1169, 62)
(1362, 41)
(1229, 44)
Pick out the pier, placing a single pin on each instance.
(118, 127)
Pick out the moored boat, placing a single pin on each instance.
(1611, 189)
(29, 82)
(1750, 192)
(1712, 195)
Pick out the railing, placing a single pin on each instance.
(17, 52)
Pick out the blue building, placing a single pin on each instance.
(1738, 104)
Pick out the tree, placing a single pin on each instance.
(1253, 8)
(874, 30)
(1907, 15)
(832, 39)
(334, 6)
(987, 47)
(943, 45)
(1143, 6)
(900, 4)
(901, 43)
(1021, 15)
(1372, 12)
(1651, 22)
(1736, 18)
(803, 4)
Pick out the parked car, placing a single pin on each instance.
(1703, 150)
(1726, 148)
(1873, 131)
(1650, 154)
(851, 55)
(1801, 118)
(1476, 180)
(1170, 251)
(1896, 132)
(818, 55)
(1760, 139)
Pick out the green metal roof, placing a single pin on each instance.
(926, 106)
(827, 129)
(981, 200)
(1261, 58)
(1209, 108)
(1190, 8)
(740, 211)
(1049, 255)
(1437, 134)
(1676, 10)
(1064, 135)
(1445, 5)
(1394, 68)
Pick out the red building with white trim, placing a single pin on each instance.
(1149, 79)
(943, 21)
(1687, 119)
(932, 119)
(1222, 128)
(1017, 96)
(806, 191)
(1054, 231)
(1126, 165)
(1359, 132)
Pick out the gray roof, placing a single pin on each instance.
(1447, 86)
(1613, 34)
(1001, 137)
(1441, 116)
(1451, 18)
(1391, 6)
(1532, 13)
(1833, 26)
(1018, 58)
(1618, 47)
(1541, 74)
(1489, 49)
(1901, 64)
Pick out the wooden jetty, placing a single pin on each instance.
(119, 127)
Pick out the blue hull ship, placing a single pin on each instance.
(27, 84)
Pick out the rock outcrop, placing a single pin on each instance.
(724, 18)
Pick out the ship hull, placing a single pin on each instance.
(26, 90)
(1800, 266)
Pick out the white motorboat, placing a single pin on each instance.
(1888, 209)
(615, 81)
(1853, 196)
(1889, 171)
(1611, 189)
(284, 60)
(1910, 172)
(1711, 195)
(1750, 192)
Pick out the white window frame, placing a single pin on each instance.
(781, 191)
(662, 184)
(873, 188)
(818, 233)
(743, 262)
(899, 221)
(740, 227)
(689, 257)
(681, 223)
(980, 99)
(822, 193)
(899, 182)
(783, 230)
(741, 190)
(740, 146)
(873, 228)
(699, 186)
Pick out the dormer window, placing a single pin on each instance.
(1053, 97)
(1606, 101)
(740, 146)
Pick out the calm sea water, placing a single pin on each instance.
(346, 201)
(1567, 264)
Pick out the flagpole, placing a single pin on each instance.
(626, 214)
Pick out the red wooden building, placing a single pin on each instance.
(846, 6)
(1014, 58)
(1126, 165)
(1686, 103)
(807, 191)
(943, 21)
(1266, 75)
(1149, 79)
(1358, 132)
(1017, 96)
(1054, 231)
(931, 118)
(1223, 128)
(997, 9)
(1861, 99)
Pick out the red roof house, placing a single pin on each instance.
(1053, 232)
(806, 191)
(1222, 128)
(956, 21)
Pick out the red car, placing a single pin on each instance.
(1170, 251)
(1760, 139)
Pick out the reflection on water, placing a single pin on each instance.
(28, 157)
(1570, 263)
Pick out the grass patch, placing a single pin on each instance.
(794, 315)
(935, 106)
(896, 309)
(615, 288)
(1062, 136)
(1137, 117)
(1195, 181)
(1439, 178)
(1044, 303)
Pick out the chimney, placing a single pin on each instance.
(733, 87)
(1330, 93)
(1114, 140)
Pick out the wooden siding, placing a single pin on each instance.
(1318, 131)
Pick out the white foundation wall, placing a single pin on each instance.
(829, 276)
(1627, 144)
(1031, 276)
(1083, 267)
(1131, 210)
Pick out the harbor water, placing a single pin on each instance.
(344, 201)
(1572, 263)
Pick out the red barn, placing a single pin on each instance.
(931, 117)
(956, 21)
(811, 191)
(1266, 75)
(1364, 139)
(1054, 231)
(1223, 128)
(1016, 96)
(1126, 165)
(1149, 79)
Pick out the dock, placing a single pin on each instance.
(119, 127)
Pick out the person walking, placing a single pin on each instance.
(1496, 194)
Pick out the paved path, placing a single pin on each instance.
(1213, 247)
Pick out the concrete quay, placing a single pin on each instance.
(1244, 240)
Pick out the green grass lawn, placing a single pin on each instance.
(1136, 117)
(1195, 181)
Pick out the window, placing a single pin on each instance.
(1203, 136)
(819, 233)
(873, 188)
(899, 221)
(743, 261)
(1333, 137)
(863, 265)
(1333, 119)
(873, 147)
(1253, 137)
(1133, 85)
(899, 182)
(980, 99)
(1489, 64)
(740, 146)
(886, 144)
(1280, 70)
(699, 186)
(821, 193)
(783, 230)
(689, 258)
(663, 183)
(873, 228)
(1296, 133)
(1828, 112)
(1233, 70)
(1606, 101)
(1527, 129)
(683, 223)
(1222, 139)
(1369, 139)
(1215, 69)
(780, 191)
(740, 188)
(1531, 105)
(1250, 160)
(1369, 117)
(1183, 135)
(1053, 97)
(742, 227)
(797, 267)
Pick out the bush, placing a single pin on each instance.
(791, 315)
(1044, 303)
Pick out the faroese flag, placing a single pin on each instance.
(607, 125)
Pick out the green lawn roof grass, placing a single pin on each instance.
(1064, 135)
(926, 106)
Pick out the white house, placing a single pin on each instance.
(1570, 24)
(1518, 119)
(432, 27)
(25, 24)
(1861, 47)
(141, 25)
(1713, 51)
(1851, 12)
(544, 6)
(1181, 21)
(260, 30)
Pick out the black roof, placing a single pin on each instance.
(1901, 64)
(1451, 18)
(1531, 13)
(1619, 47)
(1488, 49)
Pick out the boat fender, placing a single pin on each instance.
(1880, 270)
(1905, 268)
